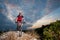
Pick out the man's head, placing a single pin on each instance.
(20, 13)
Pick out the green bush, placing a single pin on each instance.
(52, 32)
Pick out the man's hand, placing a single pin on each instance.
(15, 22)
(24, 22)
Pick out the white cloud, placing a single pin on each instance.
(43, 21)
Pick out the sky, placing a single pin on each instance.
(36, 13)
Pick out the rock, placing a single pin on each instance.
(14, 35)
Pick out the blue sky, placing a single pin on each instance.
(33, 10)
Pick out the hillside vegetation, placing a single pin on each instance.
(50, 32)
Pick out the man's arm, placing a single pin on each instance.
(16, 20)
(23, 20)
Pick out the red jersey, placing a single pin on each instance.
(19, 18)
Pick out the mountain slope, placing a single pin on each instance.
(13, 35)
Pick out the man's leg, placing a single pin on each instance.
(20, 28)
(19, 25)
(20, 33)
